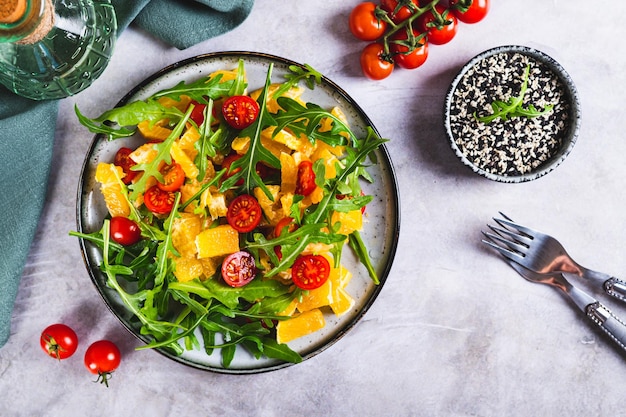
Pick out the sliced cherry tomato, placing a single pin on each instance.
(238, 269)
(122, 159)
(305, 182)
(440, 25)
(365, 24)
(282, 223)
(409, 53)
(397, 11)
(124, 231)
(102, 358)
(240, 111)
(173, 177)
(159, 201)
(310, 271)
(59, 341)
(470, 11)
(197, 114)
(375, 64)
(244, 213)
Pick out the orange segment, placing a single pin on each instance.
(184, 231)
(187, 269)
(218, 241)
(179, 155)
(350, 221)
(342, 302)
(153, 132)
(109, 176)
(302, 325)
(319, 297)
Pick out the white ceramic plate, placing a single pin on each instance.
(380, 232)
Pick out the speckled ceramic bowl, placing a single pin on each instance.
(516, 148)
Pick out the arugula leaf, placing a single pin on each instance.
(307, 74)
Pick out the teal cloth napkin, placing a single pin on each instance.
(27, 128)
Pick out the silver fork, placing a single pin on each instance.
(543, 254)
(593, 309)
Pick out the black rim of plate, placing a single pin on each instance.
(570, 89)
(383, 159)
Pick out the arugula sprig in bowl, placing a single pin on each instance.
(202, 321)
(512, 114)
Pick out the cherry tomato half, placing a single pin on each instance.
(173, 177)
(305, 182)
(122, 159)
(310, 271)
(441, 26)
(240, 111)
(364, 24)
(159, 201)
(244, 213)
(238, 269)
(476, 11)
(102, 358)
(197, 114)
(397, 12)
(124, 231)
(59, 341)
(405, 54)
(282, 223)
(374, 63)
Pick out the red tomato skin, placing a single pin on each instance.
(122, 159)
(238, 269)
(240, 111)
(310, 271)
(305, 182)
(438, 36)
(412, 60)
(373, 63)
(403, 12)
(244, 213)
(364, 24)
(159, 201)
(59, 341)
(102, 358)
(124, 231)
(197, 114)
(474, 14)
(174, 177)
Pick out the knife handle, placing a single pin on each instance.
(608, 322)
(615, 288)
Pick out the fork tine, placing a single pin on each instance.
(509, 234)
(511, 250)
(507, 222)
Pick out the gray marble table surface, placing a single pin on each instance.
(454, 331)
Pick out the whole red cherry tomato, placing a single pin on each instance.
(398, 12)
(244, 213)
(407, 53)
(473, 13)
(305, 182)
(240, 111)
(238, 269)
(440, 25)
(310, 271)
(59, 341)
(375, 64)
(173, 177)
(365, 24)
(159, 201)
(102, 358)
(122, 159)
(124, 231)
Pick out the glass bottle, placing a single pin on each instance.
(54, 48)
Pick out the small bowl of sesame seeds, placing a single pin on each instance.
(512, 114)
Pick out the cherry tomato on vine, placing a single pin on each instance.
(408, 54)
(310, 271)
(440, 26)
(59, 341)
(244, 213)
(365, 24)
(305, 182)
(173, 177)
(159, 201)
(240, 111)
(122, 159)
(374, 62)
(397, 12)
(238, 269)
(102, 358)
(124, 231)
(474, 13)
